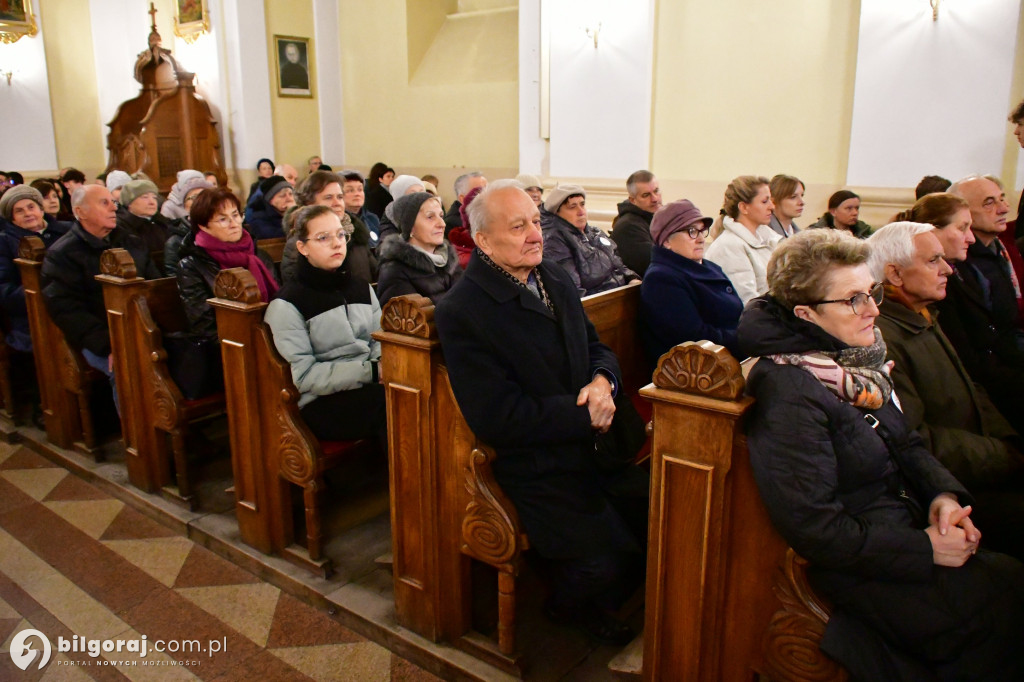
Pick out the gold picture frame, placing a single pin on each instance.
(293, 59)
(191, 19)
(17, 21)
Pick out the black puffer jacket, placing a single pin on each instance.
(153, 231)
(73, 296)
(631, 233)
(196, 273)
(588, 256)
(404, 269)
(177, 231)
(853, 499)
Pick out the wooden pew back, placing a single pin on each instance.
(64, 378)
(139, 312)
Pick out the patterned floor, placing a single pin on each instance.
(75, 561)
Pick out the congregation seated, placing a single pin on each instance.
(22, 211)
(264, 169)
(178, 205)
(532, 186)
(683, 296)
(51, 196)
(534, 382)
(399, 187)
(278, 195)
(788, 198)
(140, 216)
(984, 336)
(324, 188)
(886, 529)
(377, 194)
(742, 243)
(583, 251)
(322, 323)
(844, 214)
(217, 241)
(255, 201)
(73, 297)
(631, 228)
(464, 184)
(461, 236)
(418, 260)
(354, 196)
(955, 419)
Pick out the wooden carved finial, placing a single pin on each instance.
(237, 284)
(489, 530)
(412, 315)
(119, 263)
(700, 368)
(31, 248)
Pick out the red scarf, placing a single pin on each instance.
(240, 254)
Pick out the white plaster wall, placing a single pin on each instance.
(119, 31)
(931, 97)
(26, 138)
(600, 97)
(532, 147)
(327, 46)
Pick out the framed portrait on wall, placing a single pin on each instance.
(294, 66)
(16, 20)
(191, 19)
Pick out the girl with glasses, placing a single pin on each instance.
(683, 296)
(322, 323)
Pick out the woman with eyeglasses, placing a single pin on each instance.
(684, 297)
(322, 323)
(419, 260)
(217, 242)
(886, 529)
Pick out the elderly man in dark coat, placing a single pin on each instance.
(956, 419)
(533, 381)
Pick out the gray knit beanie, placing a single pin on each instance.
(406, 209)
(135, 189)
(16, 194)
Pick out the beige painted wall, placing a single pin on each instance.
(296, 120)
(80, 135)
(449, 125)
(731, 95)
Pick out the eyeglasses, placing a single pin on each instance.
(857, 302)
(324, 237)
(694, 231)
(226, 220)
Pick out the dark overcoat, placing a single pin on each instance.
(516, 369)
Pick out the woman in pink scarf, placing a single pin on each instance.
(217, 242)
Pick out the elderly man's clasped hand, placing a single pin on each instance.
(597, 396)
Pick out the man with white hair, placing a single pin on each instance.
(956, 419)
(73, 297)
(464, 184)
(534, 382)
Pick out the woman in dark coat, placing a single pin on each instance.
(377, 194)
(883, 524)
(684, 297)
(218, 242)
(420, 260)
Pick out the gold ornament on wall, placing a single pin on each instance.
(16, 20)
(191, 19)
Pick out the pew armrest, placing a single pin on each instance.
(490, 527)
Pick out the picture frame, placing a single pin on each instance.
(17, 21)
(293, 59)
(191, 19)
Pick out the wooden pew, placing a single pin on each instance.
(274, 248)
(445, 504)
(153, 409)
(65, 380)
(271, 446)
(725, 596)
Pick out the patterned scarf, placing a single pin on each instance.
(240, 254)
(858, 375)
(540, 292)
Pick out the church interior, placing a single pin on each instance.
(374, 570)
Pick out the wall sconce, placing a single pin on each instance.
(935, 9)
(7, 75)
(595, 32)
